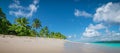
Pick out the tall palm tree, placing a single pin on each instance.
(36, 24)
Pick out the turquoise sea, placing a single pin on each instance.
(117, 45)
(79, 47)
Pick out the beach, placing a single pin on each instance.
(23, 44)
(15, 44)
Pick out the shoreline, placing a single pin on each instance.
(16, 44)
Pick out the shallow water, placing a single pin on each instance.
(112, 45)
(92, 47)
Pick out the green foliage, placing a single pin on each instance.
(44, 32)
(57, 35)
(33, 33)
(41, 34)
(21, 27)
(36, 23)
(22, 21)
(4, 23)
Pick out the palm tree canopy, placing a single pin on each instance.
(22, 21)
(36, 23)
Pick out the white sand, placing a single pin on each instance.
(14, 44)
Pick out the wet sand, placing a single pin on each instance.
(14, 44)
(71, 47)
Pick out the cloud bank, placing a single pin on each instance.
(18, 10)
(107, 14)
(92, 30)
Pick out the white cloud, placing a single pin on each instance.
(17, 13)
(18, 10)
(97, 27)
(82, 13)
(69, 36)
(109, 13)
(106, 14)
(72, 36)
(36, 1)
(92, 33)
(111, 35)
(92, 30)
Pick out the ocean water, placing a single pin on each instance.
(72, 47)
(115, 45)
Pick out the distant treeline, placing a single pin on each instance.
(22, 27)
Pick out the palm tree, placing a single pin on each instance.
(33, 33)
(36, 24)
(44, 32)
(22, 28)
(52, 35)
(41, 34)
(4, 23)
(22, 21)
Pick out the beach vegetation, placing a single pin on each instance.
(22, 27)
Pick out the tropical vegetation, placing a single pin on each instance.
(22, 27)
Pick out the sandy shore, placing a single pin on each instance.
(15, 44)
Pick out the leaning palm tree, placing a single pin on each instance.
(36, 24)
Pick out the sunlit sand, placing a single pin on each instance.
(14, 44)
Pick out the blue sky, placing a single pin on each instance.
(77, 19)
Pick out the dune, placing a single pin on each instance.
(15, 44)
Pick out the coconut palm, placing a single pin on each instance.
(22, 21)
(36, 24)
(22, 28)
